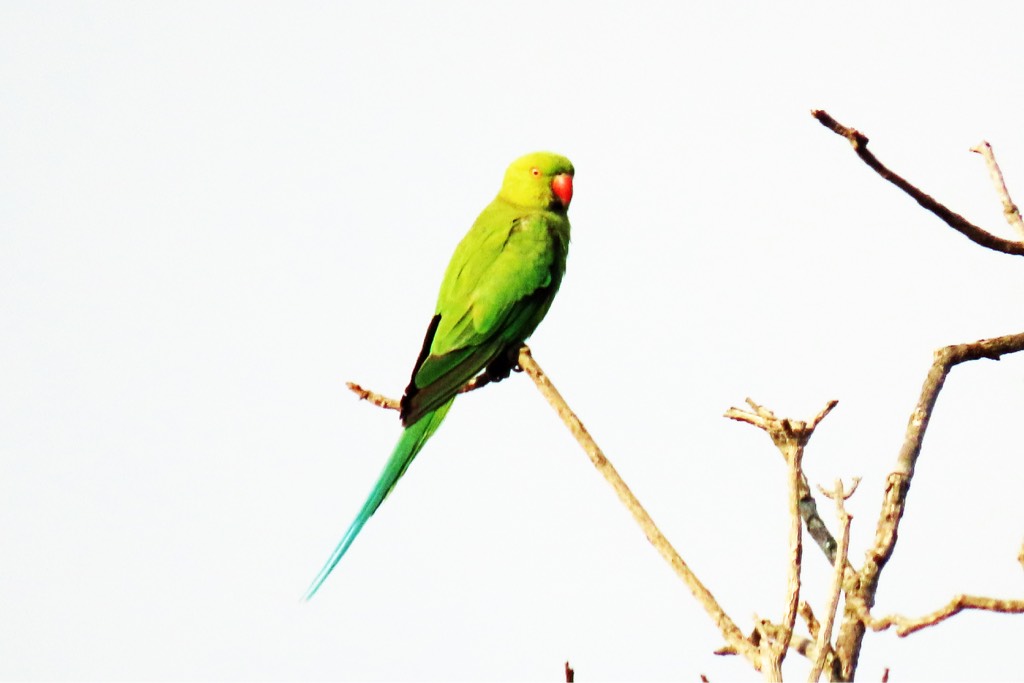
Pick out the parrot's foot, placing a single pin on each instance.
(504, 365)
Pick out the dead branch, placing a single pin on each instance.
(862, 587)
(795, 470)
(373, 397)
(807, 614)
(1010, 209)
(768, 637)
(823, 639)
(733, 636)
(382, 401)
(978, 235)
(905, 625)
(862, 590)
(774, 632)
(816, 527)
(790, 437)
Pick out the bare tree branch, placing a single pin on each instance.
(807, 614)
(951, 218)
(1010, 209)
(771, 664)
(823, 639)
(790, 437)
(799, 644)
(795, 457)
(816, 527)
(905, 625)
(863, 587)
(379, 400)
(733, 636)
(382, 401)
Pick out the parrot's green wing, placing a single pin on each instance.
(499, 285)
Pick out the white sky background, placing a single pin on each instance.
(214, 214)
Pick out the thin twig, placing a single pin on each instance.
(1010, 209)
(790, 437)
(862, 590)
(816, 527)
(771, 665)
(807, 614)
(799, 644)
(905, 625)
(951, 218)
(373, 397)
(823, 647)
(773, 653)
(795, 458)
(382, 401)
(733, 636)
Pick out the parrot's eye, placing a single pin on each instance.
(535, 171)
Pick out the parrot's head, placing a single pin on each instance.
(541, 180)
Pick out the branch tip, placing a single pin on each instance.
(1010, 210)
(954, 220)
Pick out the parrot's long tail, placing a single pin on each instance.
(412, 440)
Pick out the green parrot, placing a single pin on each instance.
(498, 286)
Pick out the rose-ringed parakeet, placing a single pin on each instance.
(497, 288)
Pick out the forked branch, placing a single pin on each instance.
(906, 625)
(790, 437)
(823, 646)
(862, 590)
(859, 141)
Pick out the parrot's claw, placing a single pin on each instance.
(503, 366)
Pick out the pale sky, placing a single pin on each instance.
(214, 214)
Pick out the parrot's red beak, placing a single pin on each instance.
(561, 185)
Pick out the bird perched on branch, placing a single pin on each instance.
(498, 286)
